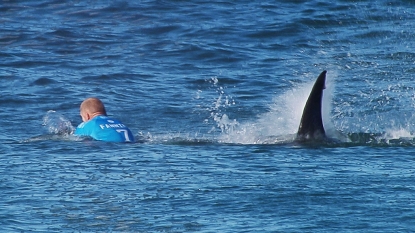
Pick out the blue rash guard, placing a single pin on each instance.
(104, 128)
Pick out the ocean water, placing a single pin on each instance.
(213, 91)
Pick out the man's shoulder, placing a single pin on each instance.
(82, 125)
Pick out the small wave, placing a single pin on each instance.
(379, 139)
(43, 81)
(54, 137)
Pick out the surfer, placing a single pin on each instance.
(97, 125)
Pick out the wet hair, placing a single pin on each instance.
(93, 105)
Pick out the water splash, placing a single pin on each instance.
(398, 133)
(280, 123)
(56, 123)
(223, 101)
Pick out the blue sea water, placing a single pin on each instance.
(214, 91)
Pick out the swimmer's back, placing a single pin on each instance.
(104, 128)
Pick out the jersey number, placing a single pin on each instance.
(125, 132)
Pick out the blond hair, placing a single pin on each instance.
(92, 106)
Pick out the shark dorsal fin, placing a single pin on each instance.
(311, 125)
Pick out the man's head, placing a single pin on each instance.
(90, 108)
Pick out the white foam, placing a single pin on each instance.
(283, 117)
(398, 133)
(56, 123)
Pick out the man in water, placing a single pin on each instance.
(97, 125)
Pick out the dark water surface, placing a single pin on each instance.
(214, 92)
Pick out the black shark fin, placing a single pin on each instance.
(311, 125)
